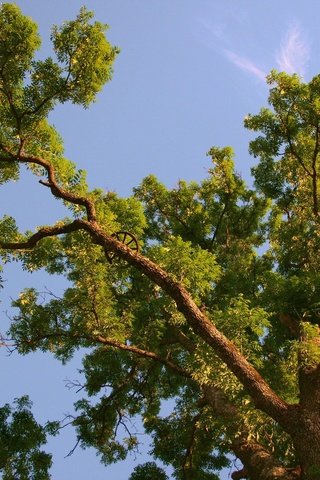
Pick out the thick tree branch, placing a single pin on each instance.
(240, 474)
(42, 233)
(220, 404)
(262, 394)
(259, 463)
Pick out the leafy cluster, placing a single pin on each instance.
(21, 438)
(29, 89)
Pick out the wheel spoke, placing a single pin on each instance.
(127, 239)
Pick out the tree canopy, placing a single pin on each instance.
(206, 294)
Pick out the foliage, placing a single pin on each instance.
(20, 440)
(217, 315)
(148, 471)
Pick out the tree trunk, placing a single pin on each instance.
(306, 437)
(307, 444)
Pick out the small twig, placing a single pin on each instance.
(49, 292)
(5, 342)
(73, 449)
(74, 384)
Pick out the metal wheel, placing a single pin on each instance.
(127, 239)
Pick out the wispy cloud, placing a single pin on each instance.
(292, 55)
(245, 64)
(214, 36)
(294, 51)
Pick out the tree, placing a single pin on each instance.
(20, 441)
(173, 293)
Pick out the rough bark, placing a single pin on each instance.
(260, 464)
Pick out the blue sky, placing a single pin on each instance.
(188, 73)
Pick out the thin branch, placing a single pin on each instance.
(143, 353)
(40, 104)
(52, 183)
(290, 143)
(168, 214)
(6, 345)
(123, 424)
(219, 222)
(120, 346)
(9, 96)
(73, 449)
(297, 156)
(70, 384)
(42, 233)
(187, 466)
(49, 292)
(6, 342)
